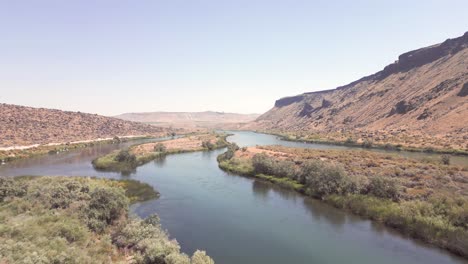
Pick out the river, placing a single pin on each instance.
(241, 220)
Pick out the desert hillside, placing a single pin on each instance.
(207, 119)
(422, 95)
(21, 126)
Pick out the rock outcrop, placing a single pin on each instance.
(424, 92)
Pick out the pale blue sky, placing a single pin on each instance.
(116, 56)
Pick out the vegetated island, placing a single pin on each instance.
(425, 199)
(82, 220)
(127, 160)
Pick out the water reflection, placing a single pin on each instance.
(322, 212)
(260, 189)
(160, 162)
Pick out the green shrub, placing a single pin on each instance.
(11, 188)
(160, 147)
(350, 141)
(221, 142)
(445, 159)
(208, 145)
(329, 179)
(263, 164)
(310, 169)
(105, 206)
(60, 193)
(151, 243)
(230, 152)
(384, 187)
(54, 218)
(367, 143)
(200, 257)
(458, 215)
(125, 156)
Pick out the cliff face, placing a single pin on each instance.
(424, 92)
(20, 126)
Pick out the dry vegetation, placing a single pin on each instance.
(391, 140)
(420, 178)
(81, 220)
(24, 126)
(426, 199)
(184, 144)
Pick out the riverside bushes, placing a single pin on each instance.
(318, 178)
(263, 164)
(325, 179)
(384, 188)
(439, 218)
(79, 220)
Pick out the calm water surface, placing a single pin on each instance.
(240, 220)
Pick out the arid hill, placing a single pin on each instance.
(207, 119)
(21, 126)
(420, 100)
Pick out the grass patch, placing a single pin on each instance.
(283, 182)
(137, 191)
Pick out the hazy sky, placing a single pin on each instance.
(117, 56)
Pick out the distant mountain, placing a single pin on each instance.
(424, 93)
(207, 119)
(20, 126)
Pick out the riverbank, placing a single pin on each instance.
(127, 160)
(81, 220)
(8, 154)
(426, 200)
(371, 141)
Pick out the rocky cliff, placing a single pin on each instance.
(425, 93)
